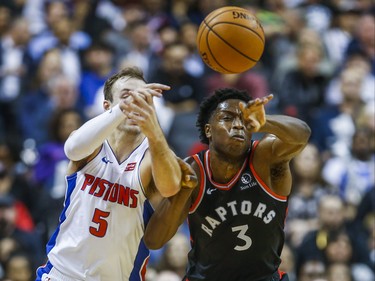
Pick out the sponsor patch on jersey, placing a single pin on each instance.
(246, 179)
(130, 166)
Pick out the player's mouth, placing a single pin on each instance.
(238, 137)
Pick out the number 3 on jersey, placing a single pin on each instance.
(101, 224)
(242, 235)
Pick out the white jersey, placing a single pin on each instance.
(100, 233)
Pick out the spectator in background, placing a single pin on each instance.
(31, 102)
(364, 222)
(119, 38)
(312, 270)
(50, 169)
(301, 91)
(333, 126)
(340, 250)
(98, 66)
(15, 64)
(19, 267)
(288, 62)
(15, 182)
(141, 53)
(47, 172)
(181, 102)
(60, 93)
(339, 271)
(5, 18)
(308, 188)
(366, 119)
(59, 33)
(354, 175)
(250, 81)
(331, 217)
(174, 256)
(337, 37)
(317, 14)
(331, 220)
(359, 63)
(281, 28)
(10, 186)
(194, 65)
(28, 241)
(363, 40)
(198, 10)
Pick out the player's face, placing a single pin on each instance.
(120, 92)
(226, 130)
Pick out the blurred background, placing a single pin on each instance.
(319, 62)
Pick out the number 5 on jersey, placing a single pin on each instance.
(102, 225)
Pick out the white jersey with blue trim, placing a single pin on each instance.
(100, 232)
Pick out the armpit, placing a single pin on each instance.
(279, 170)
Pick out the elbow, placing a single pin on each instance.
(172, 189)
(170, 192)
(151, 243)
(71, 151)
(305, 132)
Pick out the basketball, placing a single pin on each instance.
(230, 40)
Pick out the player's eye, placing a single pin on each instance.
(124, 94)
(227, 118)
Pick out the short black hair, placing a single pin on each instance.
(209, 105)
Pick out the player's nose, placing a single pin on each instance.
(238, 123)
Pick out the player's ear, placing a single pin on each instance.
(106, 105)
(207, 130)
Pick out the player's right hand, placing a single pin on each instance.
(189, 179)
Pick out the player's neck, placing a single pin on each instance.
(224, 168)
(123, 143)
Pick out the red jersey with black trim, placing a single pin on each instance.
(237, 229)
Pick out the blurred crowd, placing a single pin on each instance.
(319, 62)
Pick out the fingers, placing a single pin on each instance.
(189, 181)
(144, 96)
(257, 101)
(185, 167)
(189, 178)
(158, 87)
(149, 92)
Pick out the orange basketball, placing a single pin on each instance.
(230, 40)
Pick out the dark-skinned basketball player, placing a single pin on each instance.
(237, 210)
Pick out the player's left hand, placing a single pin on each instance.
(254, 114)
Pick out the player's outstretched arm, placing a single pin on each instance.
(85, 140)
(292, 134)
(165, 171)
(172, 211)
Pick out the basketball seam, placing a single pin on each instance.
(212, 55)
(244, 26)
(230, 45)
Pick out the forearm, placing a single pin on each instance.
(92, 134)
(165, 169)
(288, 129)
(166, 219)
